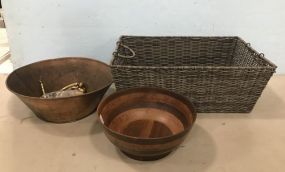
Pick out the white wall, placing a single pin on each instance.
(39, 29)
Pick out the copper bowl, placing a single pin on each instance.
(57, 73)
(146, 123)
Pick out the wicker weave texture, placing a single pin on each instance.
(218, 74)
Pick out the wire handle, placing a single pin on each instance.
(261, 55)
(128, 48)
(255, 53)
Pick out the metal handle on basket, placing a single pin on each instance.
(260, 54)
(126, 47)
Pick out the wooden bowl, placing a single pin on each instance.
(146, 123)
(57, 73)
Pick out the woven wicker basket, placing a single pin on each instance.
(218, 74)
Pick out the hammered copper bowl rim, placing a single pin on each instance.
(140, 89)
(56, 59)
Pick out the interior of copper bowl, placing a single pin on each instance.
(57, 73)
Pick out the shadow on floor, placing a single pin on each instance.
(197, 153)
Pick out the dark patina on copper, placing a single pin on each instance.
(146, 123)
(56, 74)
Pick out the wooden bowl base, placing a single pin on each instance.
(146, 158)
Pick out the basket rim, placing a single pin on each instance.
(176, 36)
(271, 65)
(195, 67)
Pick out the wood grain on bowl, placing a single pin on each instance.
(146, 123)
